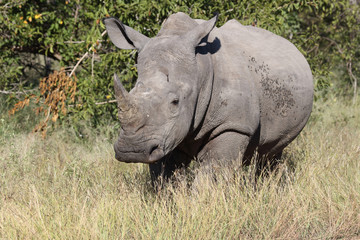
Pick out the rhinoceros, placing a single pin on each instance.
(209, 93)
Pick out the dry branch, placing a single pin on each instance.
(97, 103)
(353, 80)
(17, 92)
(102, 103)
(84, 56)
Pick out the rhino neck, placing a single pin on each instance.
(205, 81)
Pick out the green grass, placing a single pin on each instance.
(66, 188)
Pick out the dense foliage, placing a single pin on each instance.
(38, 37)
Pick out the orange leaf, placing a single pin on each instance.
(55, 117)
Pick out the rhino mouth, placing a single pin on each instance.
(153, 154)
(156, 153)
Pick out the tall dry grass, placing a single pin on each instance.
(62, 188)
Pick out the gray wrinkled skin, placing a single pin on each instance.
(209, 93)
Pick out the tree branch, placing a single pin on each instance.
(334, 43)
(97, 103)
(353, 79)
(73, 42)
(102, 103)
(84, 56)
(17, 92)
(34, 50)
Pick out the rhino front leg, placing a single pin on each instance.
(228, 146)
(218, 156)
(165, 168)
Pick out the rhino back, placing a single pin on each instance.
(263, 85)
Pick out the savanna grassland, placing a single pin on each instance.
(67, 187)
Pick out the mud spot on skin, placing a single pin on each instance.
(224, 103)
(281, 96)
(274, 89)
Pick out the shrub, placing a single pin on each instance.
(70, 35)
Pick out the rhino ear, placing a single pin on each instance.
(122, 36)
(195, 35)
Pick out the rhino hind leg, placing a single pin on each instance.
(235, 150)
(165, 168)
(265, 163)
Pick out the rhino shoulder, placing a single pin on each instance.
(232, 25)
(199, 21)
(235, 26)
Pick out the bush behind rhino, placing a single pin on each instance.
(40, 37)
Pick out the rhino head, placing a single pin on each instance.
(157, 114)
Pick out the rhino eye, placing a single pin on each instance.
(175, 101)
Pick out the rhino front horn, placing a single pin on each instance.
(127, 108)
